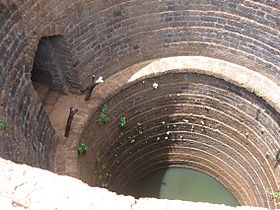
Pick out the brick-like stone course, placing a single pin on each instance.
(229, 127)
(136, 99)
(212, 24)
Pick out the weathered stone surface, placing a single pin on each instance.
(192, 120)
(106, 37)
(23, 187)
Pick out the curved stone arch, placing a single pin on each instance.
(232, 73)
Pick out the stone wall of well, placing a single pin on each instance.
(105, 38)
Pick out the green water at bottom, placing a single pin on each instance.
(183, 184)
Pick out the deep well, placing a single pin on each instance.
(216, 107)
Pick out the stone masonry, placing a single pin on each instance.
(24, 187)
(217, 64)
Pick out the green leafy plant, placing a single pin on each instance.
(3, 125)
(82, 149)
(259, 94)
(102, 118)
(276, 196)
(122, 122)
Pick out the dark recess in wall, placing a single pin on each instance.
(51, 64)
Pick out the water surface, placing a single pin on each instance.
(183, 184)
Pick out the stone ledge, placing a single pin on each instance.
(24, 187)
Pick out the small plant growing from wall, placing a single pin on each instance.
(257, 93)
(3, 125)
(276, 197)
(102, 118)
(122, 122)
(82, 149)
